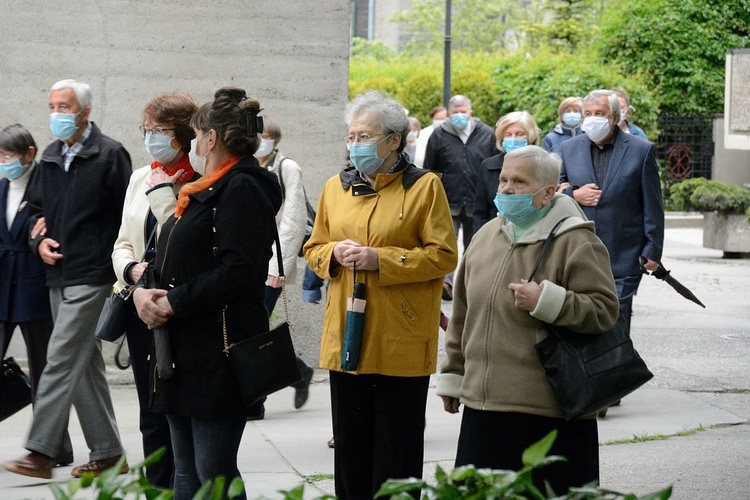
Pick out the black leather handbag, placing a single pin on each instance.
(589, 372)
(15, 389)
(111, 323)
(265, 363)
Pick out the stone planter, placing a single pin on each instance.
(729, 233)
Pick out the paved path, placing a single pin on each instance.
(688, 427)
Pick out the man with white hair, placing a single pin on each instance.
(456, 149)
(615, 179)
(79, 192)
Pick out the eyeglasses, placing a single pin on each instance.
(362, 138)
(155, 130)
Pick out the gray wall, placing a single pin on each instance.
(729, 165)
(292, 56)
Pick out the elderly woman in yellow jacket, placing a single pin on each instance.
(387, 224)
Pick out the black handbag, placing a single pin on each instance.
(112, 319)
(15, 389)
(265, 363)
(111, 323)
(589, 372)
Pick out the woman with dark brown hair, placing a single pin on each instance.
(149, 202)
(212, 264)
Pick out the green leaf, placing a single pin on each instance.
(535, 453)
(237, 488)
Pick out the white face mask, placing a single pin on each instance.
(265, 148)
(597, 128)
(198, 162)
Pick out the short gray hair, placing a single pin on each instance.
(392, 113)
(459, 100)
(16, 139)
(81, 90)
(547, 164)
(595, 95)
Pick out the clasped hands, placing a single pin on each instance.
(348, 253)
(153, 306)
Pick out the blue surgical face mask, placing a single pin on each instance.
(63, 125)
(517, 208)
(571, 118)
(159, 146)
(511, 143)
(460, 120)
(364, 156)
(12, 170)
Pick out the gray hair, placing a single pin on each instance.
(392, 113)
(595, 95)
(547, 164)
(459, 100)
(81, 90)
(16, 139)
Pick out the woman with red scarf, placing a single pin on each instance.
(212, 262)
(149, 202)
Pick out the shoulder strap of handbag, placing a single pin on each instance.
(148, 242)
(547, 243)
(281, 179)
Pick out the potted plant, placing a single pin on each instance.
(726, 213)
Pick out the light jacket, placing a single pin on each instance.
(131, 239)
(559, 135)
(406, 216)
(291, 219)
(491, 363)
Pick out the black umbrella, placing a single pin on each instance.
(664, 275)
(355, 322)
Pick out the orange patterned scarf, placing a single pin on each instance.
(183, 200)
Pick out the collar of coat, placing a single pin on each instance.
(350, 177)
(91, 147)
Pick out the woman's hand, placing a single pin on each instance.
(274, 281)
(152, 306)
(365, 258)
(526, 294)
(136, 271)
(450, 404)
(160, 176)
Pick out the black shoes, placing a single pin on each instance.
(302, 389)
(447, 292)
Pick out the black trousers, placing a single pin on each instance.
(496, 440)
(154, 427)
(378, 425)
(36, 334)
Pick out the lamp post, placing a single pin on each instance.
(447, 56)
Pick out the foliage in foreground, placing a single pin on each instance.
(469, 482)
(461, 483)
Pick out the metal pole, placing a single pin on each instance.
(447, 65)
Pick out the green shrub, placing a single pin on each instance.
(477, 85)
(420, 93)
(703, 195)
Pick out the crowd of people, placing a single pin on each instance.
(191, 237)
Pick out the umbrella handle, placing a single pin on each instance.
(642, 264)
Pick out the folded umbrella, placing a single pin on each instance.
(664, 275)
(355, 322)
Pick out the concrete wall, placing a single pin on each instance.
(729, 165)
(292, 56)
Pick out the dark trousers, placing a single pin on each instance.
(378, 425)
(496, 440)
(203, 450)
(154, 427)
(36, 334)
(462, 217)
(627, 286)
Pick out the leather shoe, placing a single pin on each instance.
(34, 464)
(331, 443)
(96, 467)
(302, 389)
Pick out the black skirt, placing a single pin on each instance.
(496, 440)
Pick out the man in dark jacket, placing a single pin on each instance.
(80, 189)
(456, 149)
